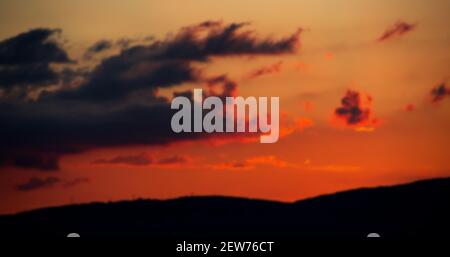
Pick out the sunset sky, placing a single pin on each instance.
(85, 88)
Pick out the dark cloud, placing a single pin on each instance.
(398, 29)
(440, 92)
(36, 46)
(35, 183)
(116, 104)
(116, 78)
(42, 132)
(46, 135)
(169, 62)
(98, 47)
(222, 40)
(352, 109)
(125, 42)
(120, 44)
(27, 75)
(25, 60)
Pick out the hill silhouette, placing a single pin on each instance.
(419, 209)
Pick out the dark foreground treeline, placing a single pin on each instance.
(419, 209)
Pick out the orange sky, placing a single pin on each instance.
(339, 51)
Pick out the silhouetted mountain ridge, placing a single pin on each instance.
(419, 209)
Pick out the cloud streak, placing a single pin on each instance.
(398, 29)
(143, 159)
(98, 47)
(266, 70)
(439, 93)
(138, 160)
(35, 183)
(253, 162)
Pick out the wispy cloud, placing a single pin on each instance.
(266, 70)
(144, 159)
(35, 183)
(398, 29)
(440, 92)
(253, 162)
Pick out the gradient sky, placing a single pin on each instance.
(341, 48)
